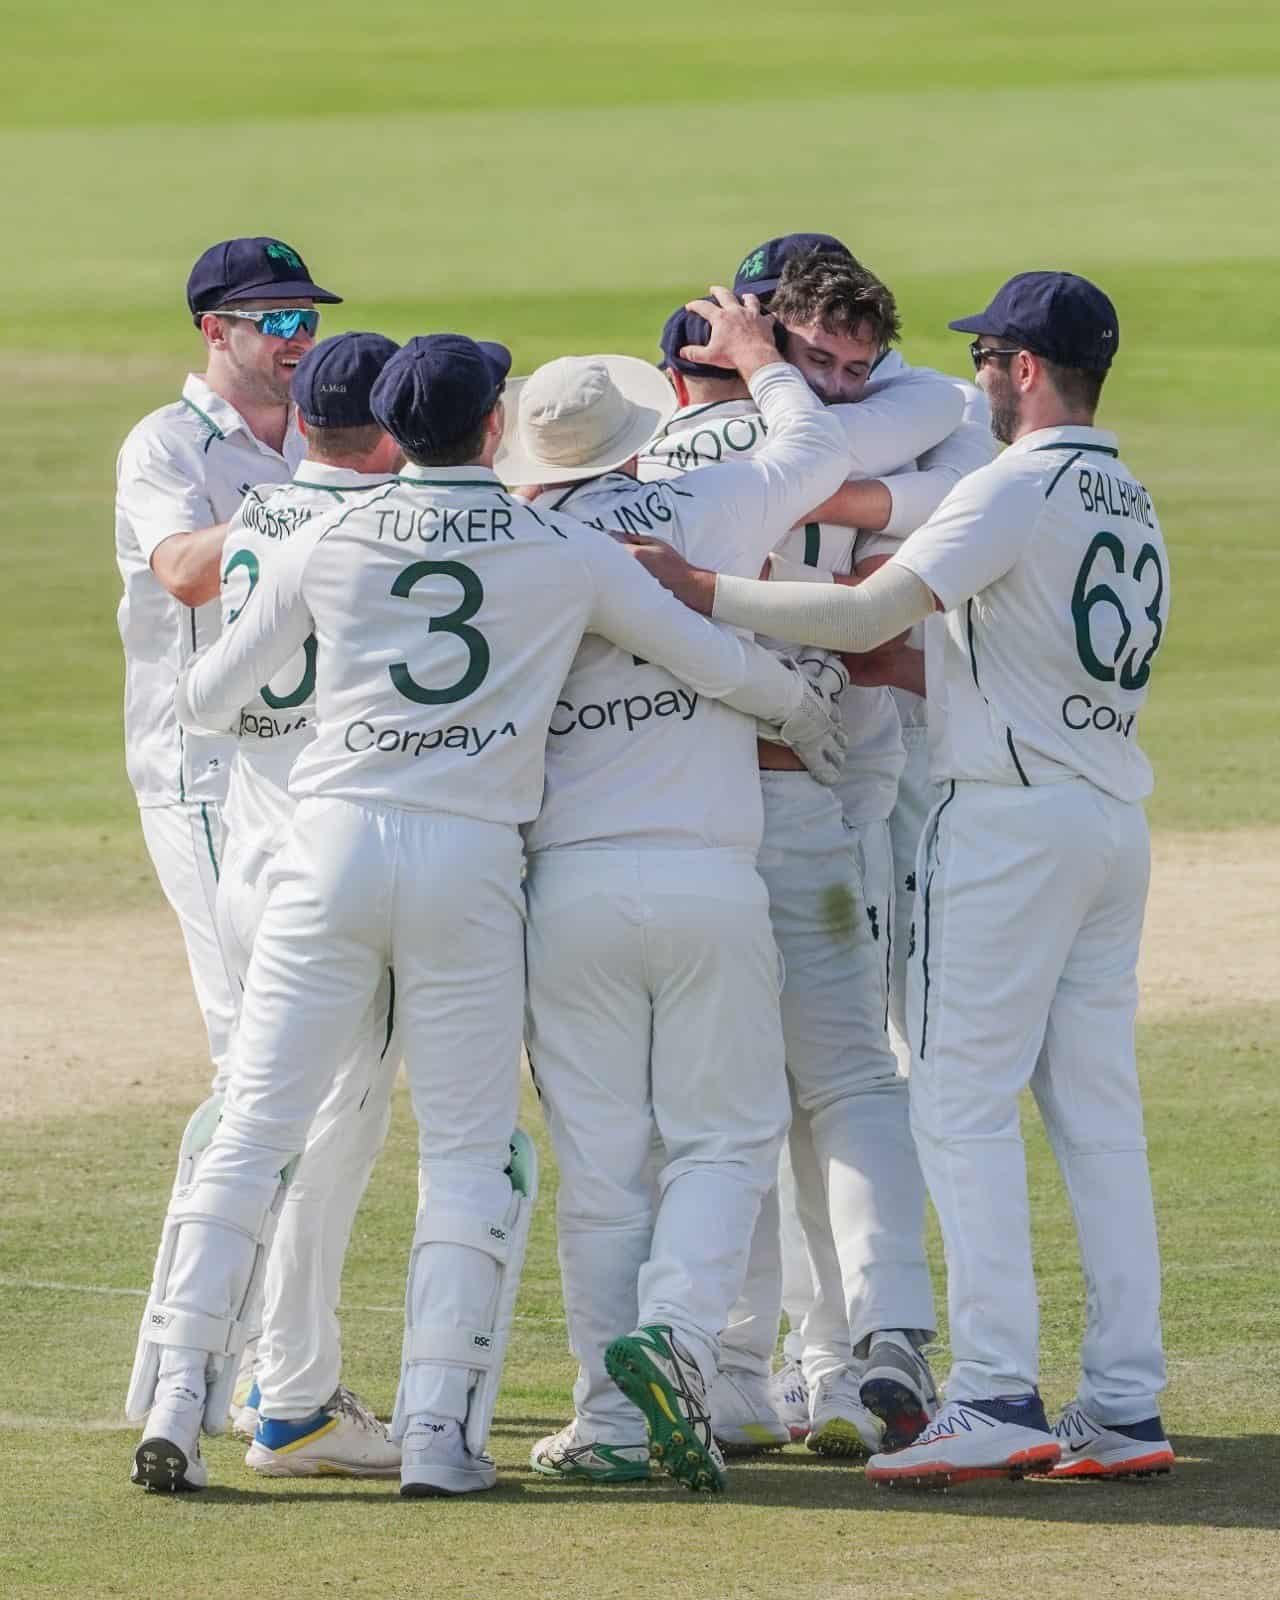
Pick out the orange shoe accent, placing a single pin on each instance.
(1157, 1461)
(943, 1473)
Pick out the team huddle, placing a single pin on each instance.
(789, 870)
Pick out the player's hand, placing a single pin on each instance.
(813, 729)
(893, 665)
(696, 586)
(741, 333)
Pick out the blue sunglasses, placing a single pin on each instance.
(283, 324)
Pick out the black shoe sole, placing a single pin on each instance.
(898, 1407)
(160, 1467)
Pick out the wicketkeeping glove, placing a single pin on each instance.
(813, 730)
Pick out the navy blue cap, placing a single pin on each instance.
(333, 381)
(436, 389)
(761, 268)
(1057, 315)
(251, 269)
(684, 327)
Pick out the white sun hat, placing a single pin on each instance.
(580, 416)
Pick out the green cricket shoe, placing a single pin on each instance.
(567, 1455)
(659, 1376)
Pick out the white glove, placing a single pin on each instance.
(813, 730)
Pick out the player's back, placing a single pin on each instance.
(635, 757)
(277, 724)
(447, 614)
(1043, 673)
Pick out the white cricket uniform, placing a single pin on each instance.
(447, 615)
(184, 467)
(1033, 877)
(299, 1355)
(916, 496)
(653, 973)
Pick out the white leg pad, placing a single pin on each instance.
(204, 1210)
(478, 1350)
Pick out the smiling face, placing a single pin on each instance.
(836, 366)
(258, 366)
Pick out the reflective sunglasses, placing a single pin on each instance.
(984, 352)
(285, 323)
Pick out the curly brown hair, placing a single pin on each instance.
(837, 293)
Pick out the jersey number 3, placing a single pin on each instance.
(455, 622)
(1085, 598)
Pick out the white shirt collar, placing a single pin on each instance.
(1069, 435)
(324, 475)
(220, 414)
(467, 477)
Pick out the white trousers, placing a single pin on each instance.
(917, 796)
(1031, 908)
(185, 845)
(653, 1010)
(356, 890)
(299, 1355)
(859, 1192)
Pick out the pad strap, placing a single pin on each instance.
(173, 1325)
(242, 1210)
(457, 1227)
(450, 1347)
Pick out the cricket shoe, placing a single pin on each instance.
(898, 1387)
(245, 1415)
(567, 1455)
(1005, 1437)
(1109, 1450)
(168, 1460)
(342, 1440)
(657, 1374)
(435, 1460)
(790, 1395)
(839, 1423)
(744, 1419)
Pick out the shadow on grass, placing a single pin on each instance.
(1217, 1483)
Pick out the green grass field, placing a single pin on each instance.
(560, 178)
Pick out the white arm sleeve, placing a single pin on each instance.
(634, 611)
(731, 514)
(897, 420)
(917, 495)
(835, 616)
(274, 623)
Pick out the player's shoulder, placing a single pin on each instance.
(173, 429)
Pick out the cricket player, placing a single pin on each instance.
(863, 1280)
(1052, 572)
(181, 474)
(446, 616)
(653, 974)
(302, 1422)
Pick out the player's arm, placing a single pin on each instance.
(730, 515)
(917, 495)
(159, 491)
(273, 624)
(974, 538)
(898, 419)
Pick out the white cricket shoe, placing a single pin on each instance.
(790, 1395)
(435, 1460)
(1005, 1437)
(743, 1416)
(1100, 1450)
(245, 1415)
(342, 1440)
(568, 1455)
(839, 1423)
(898, 1387)
(168, 1459)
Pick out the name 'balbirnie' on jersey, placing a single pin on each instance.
(1053, 571)
(278, 722)
(446, 615)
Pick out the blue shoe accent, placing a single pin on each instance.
(1027, 1410)
(276, 1434)
(254, 1397)
(1151, 1429)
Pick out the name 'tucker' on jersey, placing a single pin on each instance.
(1053, 571)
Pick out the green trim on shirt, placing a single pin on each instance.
(215, 432)
(1072, 444)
